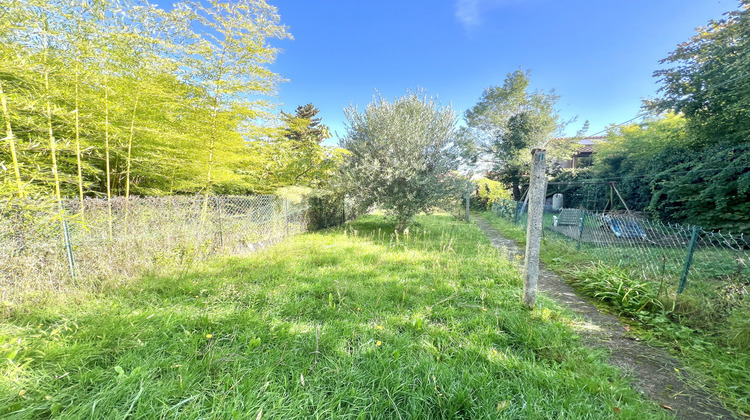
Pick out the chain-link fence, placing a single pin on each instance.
(713, 265)
(329, 209)
(44, 249)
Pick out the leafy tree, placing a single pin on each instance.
(660, 170)
(631, 156)
(710, 188)
(308, 162)
(509, 121)
(402, 155)
(710, 82)
(303, 126)
(125, 98)
(688, 165)
(634, 153)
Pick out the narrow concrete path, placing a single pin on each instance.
(656, 374)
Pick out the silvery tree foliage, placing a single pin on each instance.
(403, 155)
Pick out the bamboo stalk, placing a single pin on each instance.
(130, 146)
(53, 152)
(12, 140)
(48, 112)
(78, 132)
(212, 138)
(106, 153)
(128, 159)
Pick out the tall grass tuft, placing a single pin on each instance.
(613, 285)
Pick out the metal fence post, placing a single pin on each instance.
(688, 259)
(286, 217)
(69, 249)
(468, 195)
(537, 191)
(221, 233)
(580, 231)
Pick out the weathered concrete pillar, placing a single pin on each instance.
(537, 195)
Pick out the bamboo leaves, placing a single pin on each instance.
(121, 98)
(11, 142)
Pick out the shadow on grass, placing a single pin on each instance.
(325, 325)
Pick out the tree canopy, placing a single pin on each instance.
(710, 80)
(509, 121)
(402, 155)
(297, 155)
(117, 98)
(688, 161)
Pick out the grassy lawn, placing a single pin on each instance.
(355, 323)
(685, 324)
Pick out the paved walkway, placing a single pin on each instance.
(656, 374)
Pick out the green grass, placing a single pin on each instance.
(716, 353)
(718, 269)
(355, 323)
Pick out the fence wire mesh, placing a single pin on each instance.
(712, 265)
(44, 249)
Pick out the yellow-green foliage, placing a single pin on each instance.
(490, 190)
(124, 98)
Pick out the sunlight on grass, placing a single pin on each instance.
(352, 323)
(663, 321)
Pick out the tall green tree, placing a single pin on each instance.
(133, 99)
(402, 155)
(304, 126)
(307, 161)
(509, 121)
(228, 60)
(709, 80)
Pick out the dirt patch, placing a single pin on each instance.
(655, 373)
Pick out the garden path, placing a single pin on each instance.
(656, 374)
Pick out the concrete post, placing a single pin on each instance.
(537, 193)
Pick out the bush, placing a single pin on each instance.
(402, 155)
(487, 192)
(328, 208)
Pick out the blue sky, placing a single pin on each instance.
(598, 55)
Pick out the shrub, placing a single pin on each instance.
(402, 155)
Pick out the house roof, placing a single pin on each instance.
(587, 144)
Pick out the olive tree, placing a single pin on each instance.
(403, 155)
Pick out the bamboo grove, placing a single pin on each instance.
(112, 98)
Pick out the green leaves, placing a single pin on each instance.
(508, 122)
(138, 100)
(304, 160)
(660, 169)
(709, 82)
(403, 154)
